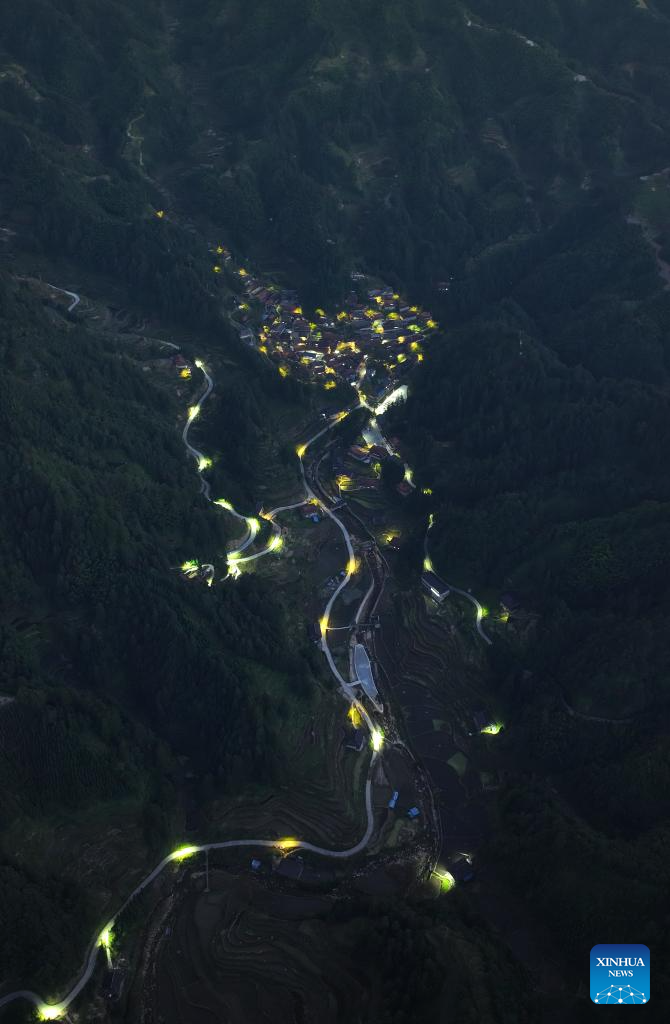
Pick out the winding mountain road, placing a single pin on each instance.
(54, 1011)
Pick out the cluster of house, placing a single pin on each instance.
(379, 334)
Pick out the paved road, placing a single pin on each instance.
(56, 1010)
(464, 593)
(76, 299)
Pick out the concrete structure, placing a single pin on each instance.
(436, 587)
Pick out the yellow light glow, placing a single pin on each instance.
(419, 358)
(219, 250)
(431, 323)
(329, 385)
(377, 740)
(330, 369)
(53, 1012)
(105, 937)
(216, 268)
(354, 716)
(160, 214)
(263, 348)
(352, 566)
(183, 852)
(193, 411)
(409, 474)
(342, 316)
(447, 880)
(300, 450)
(428, 564)
(243, 273)
(396, 297)
(253, 525)
(234, 570)
(414, 345)
(298, 310)
(189, 566)
(402, 357)
(320, 312)
(414, 309)
(431, 520)
(199, 363)
(283, 372)
(288, 844)
(222, 503)
(426, 490)
(276, 543)
(204, 462)
(342, 415)
(493, 729)
(323, 622)
(185, 373)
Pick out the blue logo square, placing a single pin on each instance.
(620, 974)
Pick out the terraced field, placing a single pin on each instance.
(319, 797)
(433, 669)
(244, 952)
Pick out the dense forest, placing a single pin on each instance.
(504, 161)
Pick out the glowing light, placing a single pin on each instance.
(243, 305)
(402, 357)
(323, 622)
(300, 450)
(193, 411)
(377, 740)
(160, 214)
(343, 481)
(185, 373)
(409, 475)
(320, 312)
(298, 310)
(183, 852)
(329, 385)
(432, 324)
(219, 250)
(426, 490)
(276, 543)
(210, 581)
(447, 880)
(253, 525)
(428, 564)
(352, 566)
(485, 612)
(222, 503)
(414, 345)
(242, 272)
(50, 1012)
(342, 316)
(283, 372)
(288, 844)
(378, 300)
(395, 396)
(431, 520)
(234, 570)
(262, 348)
(204, 462)
(493, 728)
(354, 716)
(342, 415)
(105, 937)
(199, 363)
(419, 358)
(216, 268)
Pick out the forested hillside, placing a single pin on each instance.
(505, 161)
